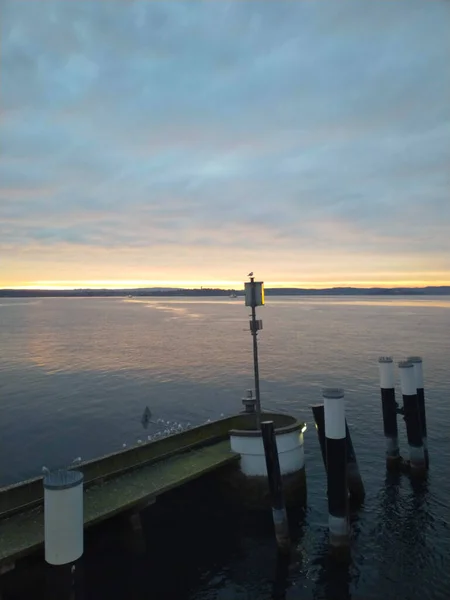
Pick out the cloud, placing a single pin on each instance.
(305, 132)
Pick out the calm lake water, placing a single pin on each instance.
(76, 375)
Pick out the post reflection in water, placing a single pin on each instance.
(287, 564)
(404, 557)
(281, 581)
(337, 572)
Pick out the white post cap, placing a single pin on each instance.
(407, 378)
(386, 369)
(334, 410)
(418, 369)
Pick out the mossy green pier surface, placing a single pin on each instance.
(129, 479)
(23, 533)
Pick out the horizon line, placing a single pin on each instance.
(240, 287)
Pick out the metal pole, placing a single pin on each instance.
(255, 356)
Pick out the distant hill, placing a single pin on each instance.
(170, 292)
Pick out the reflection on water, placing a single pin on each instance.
(76, 375)
(384, 301)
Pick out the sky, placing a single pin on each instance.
(187, 143)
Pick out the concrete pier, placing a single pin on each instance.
(128, 480)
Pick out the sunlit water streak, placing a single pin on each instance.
(76, 375)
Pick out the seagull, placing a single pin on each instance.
(250, 274)
(77, 460)
(45, 470)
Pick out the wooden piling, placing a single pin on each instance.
(319, 420)
(354, 479)
(275, 486)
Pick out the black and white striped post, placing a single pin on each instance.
(418, 372)
(389, 407)
(412, 417)
(279, 514)
(336, 452)
(354, 480)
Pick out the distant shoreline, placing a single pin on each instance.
(216, 292)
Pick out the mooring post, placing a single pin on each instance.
(354, 480)
(389, 408)
(335, 434)
(418, 372)
(280, 520)
(319, 420)
(63, 531)
(412, 418)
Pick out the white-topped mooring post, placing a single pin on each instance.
(354, 480)
(389, 408)
(336, 453)
(412, 418)
(418, 372)
(63, 528)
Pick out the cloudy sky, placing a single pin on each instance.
(191, 142)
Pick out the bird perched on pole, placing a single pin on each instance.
(250, 274)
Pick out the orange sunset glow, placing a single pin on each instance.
(315, 153)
